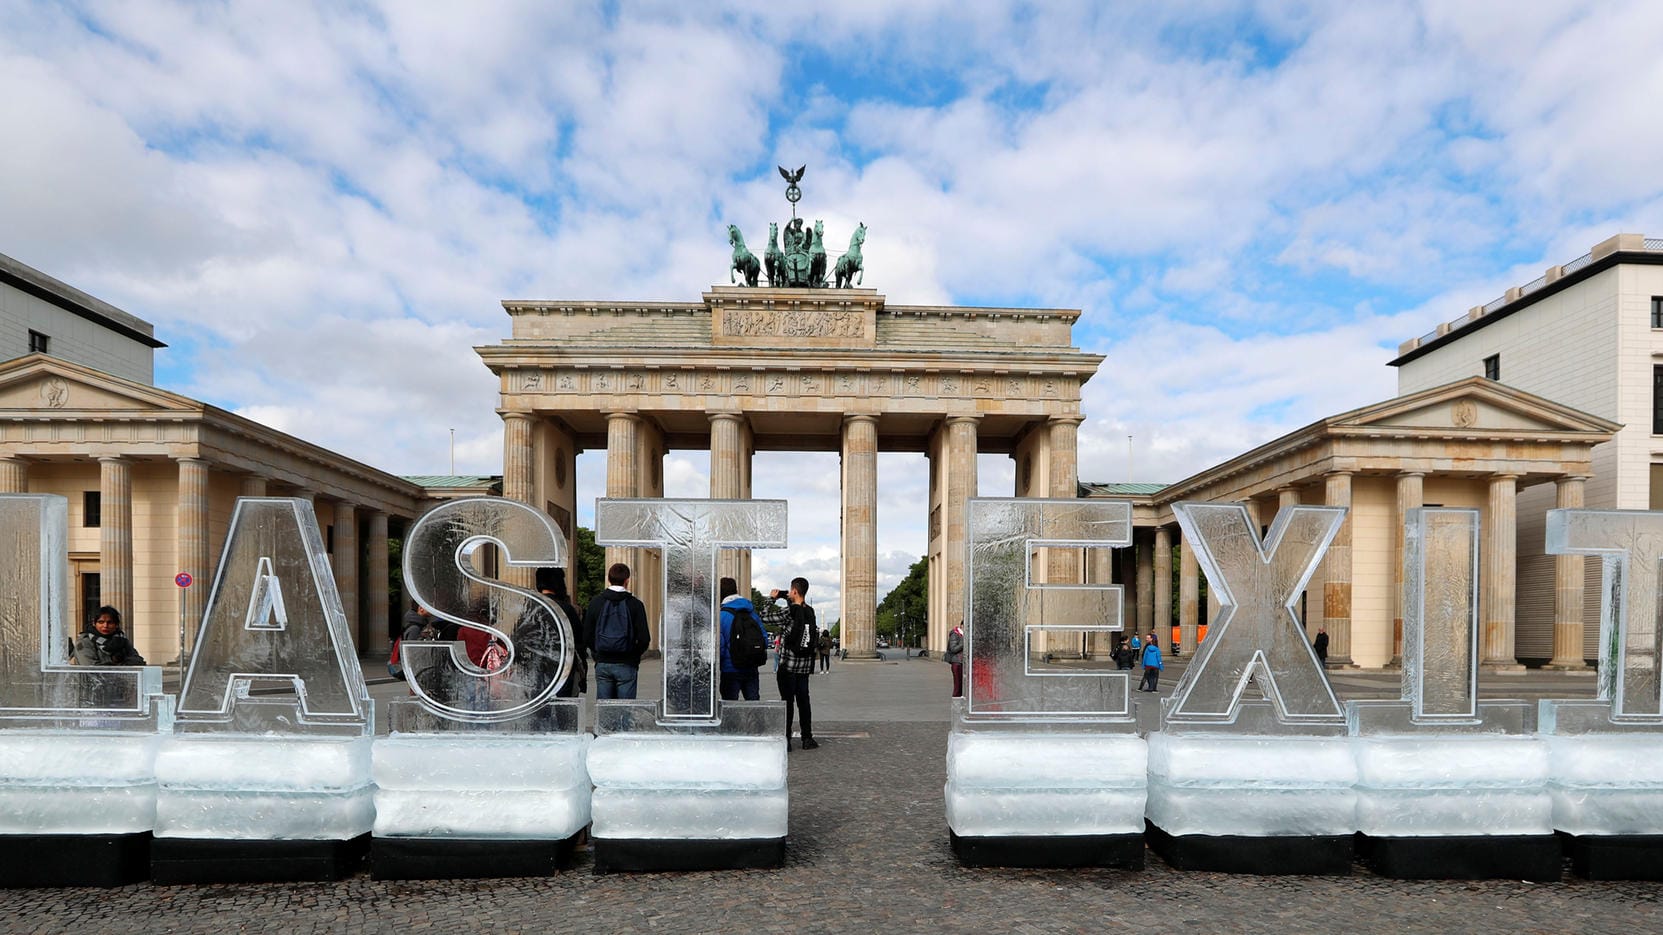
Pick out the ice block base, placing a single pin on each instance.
(199, 860)
(395, 858)
(1120, 851)
(652, 855)
(1615, 856)
(1533, 857)
(1306, 855)
(29, 860)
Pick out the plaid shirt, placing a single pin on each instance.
(796, 659)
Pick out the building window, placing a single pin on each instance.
(1657, 311)
(92, 509)
(1657, 400)
(38, 342)
(1492, 367)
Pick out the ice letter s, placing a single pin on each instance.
(1008, 608)
(1257, 633)
(274, 616)
(690, 532)
(440, 575)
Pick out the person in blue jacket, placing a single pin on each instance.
(1151, 666)
(736, 680)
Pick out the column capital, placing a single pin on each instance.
(1406, 474)
(630, 414)
(191, 460)
(1571, 479)
(1503, 476)
(1064, 419)
(114, 459)
(508, 414)
(960, 418)
(849, 417)
(719, 416)
(1338, 473)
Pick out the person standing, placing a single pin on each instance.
(737, 677)
(798, 644)
(825, 651)
(615, 633)
(551, 582)
(1320, 645)
(1151, 666)
(955, 658)
(103, 644)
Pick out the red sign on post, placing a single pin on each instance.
(183, 579)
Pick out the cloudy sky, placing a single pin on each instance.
(321, 207)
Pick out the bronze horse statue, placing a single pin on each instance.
(773, 258)
(850, 264)
(817, 257)
(744, 262)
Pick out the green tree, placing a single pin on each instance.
(907, 604)
(590, 579)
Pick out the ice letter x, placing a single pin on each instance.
(1257, 632)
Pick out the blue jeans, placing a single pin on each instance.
(615, 679)
(736, 683)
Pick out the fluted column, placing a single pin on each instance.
(253, 486)
(519, 481)
(961, 486)
(376, 623)
(1410, 486)
(1146, 582)
(621, 432)
(345, 560)
(726, 483)
(1336, 591)
(115, 534)
(860, 534)
(1567, 587)
(1500, 573)
(192, 543)
(1287, 498)
(1065, 459)
(1163, 584)
(14, 475)
(1189, 596)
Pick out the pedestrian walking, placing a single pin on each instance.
(955, 658)
(1320, 646)
(1151, 666)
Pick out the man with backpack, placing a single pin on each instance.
(615, 633)
(744, 645)
(799, 644)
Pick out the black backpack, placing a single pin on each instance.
(612, 631)
(747, 644)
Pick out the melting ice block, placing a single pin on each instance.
(1023, 784)
(700, 814)
(682, 786)
(1452, 785)
(481, 786)
(1606, 784)
(264, 787)
(100, 782)
(1252, 785)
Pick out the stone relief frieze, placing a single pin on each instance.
(567, 382)
(776, 323)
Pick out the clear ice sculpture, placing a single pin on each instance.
(1438, 763)
(77, 743)
(1007, 607)
(274, 617)
(689, 533)
(1039, 750)
(39, 688)
(441, 575)
(1257, 635)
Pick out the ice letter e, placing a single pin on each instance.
(1044, 764)
(78, 743)
(291, 761)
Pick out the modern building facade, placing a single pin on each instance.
(41, 315)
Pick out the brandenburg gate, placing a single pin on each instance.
(749, 369)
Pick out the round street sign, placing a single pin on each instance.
(183, 579)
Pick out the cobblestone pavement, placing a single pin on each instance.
(868, 851)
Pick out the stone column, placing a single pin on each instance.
(192, 548)
(14, 475)
(1287, 498)
(376, 622)
(1409, 497)
(1500, 572)
(621, 432)
(345, 560)
(1567, 588)
(860, 534)
(253, 486)
(961, 486)
(518, 483)
(1065, 444)
(115, 535)
(747, 442)
(1189, 597)
(726, 482)
(1146, 583)
(1162, 624)
(1336, 591)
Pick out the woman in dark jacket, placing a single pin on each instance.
(103, 644)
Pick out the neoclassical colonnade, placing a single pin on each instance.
(1472, 444)
(791, 369)
(167, 471)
